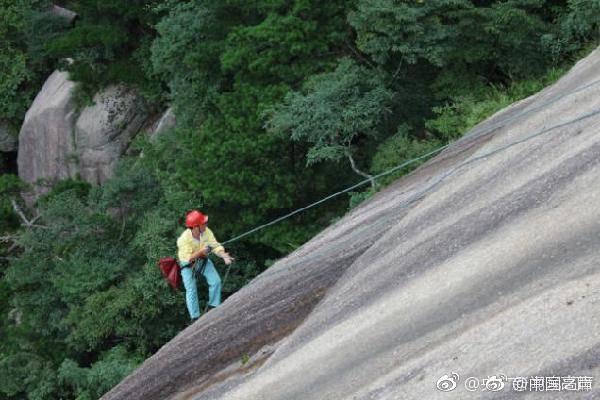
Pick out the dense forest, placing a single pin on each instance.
(278, 104)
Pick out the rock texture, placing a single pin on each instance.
(46, 145)
(61, 12)
(8, 142)
(57, 142)
(484, 261)
(104, 130)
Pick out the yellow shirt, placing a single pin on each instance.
(187, 245)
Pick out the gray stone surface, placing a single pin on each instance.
(8, 141)
(103, 131)
(57, 142)
(484, 261)
(46, 148)
(61, 12)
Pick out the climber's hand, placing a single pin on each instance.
(227, 258)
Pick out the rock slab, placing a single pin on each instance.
(483, 263)
(103, 131)
(46, 143)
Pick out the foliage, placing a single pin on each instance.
(91, 383)
(457, 35)
(22, 57)
(337, 111)
(26, 372)
(79, 188)
(15, 73)
(10, 186)
(357, 198)
(464, 111)
(398, 149)
(106, 45)
(205, 50)
(581, 23)
(577, 28)
(218, 54)
(82, 288)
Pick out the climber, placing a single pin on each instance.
(193, 246)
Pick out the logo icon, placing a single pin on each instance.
(447, 383)
(495, 383)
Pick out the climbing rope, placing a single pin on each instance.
(402, 205)
(411, 161)
(358, 231)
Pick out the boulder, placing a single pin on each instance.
(57, 142)
(46, 147)
(61, 12)
(103, 131)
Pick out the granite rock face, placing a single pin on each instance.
(58, 142)
(103, 131)
(68, 15)
(484, 262)
(46, 143)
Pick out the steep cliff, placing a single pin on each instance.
(484, 261)
(46, 144)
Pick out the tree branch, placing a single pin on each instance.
(122, 224)
(26, 222)
(20, 213)
(397, 70)
(359, 172)
(359, 55)
(8, 239)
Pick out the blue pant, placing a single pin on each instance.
(191, 288)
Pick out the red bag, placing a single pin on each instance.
(171, 271)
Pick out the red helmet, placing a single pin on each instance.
(195, 218)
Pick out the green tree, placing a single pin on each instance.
(24, 63)
(91, 383)
(80, 288)
(497, 39)
(10, 187)
(336, 112)
(226, 63)
(577, 27)
(109, 43)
